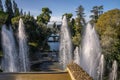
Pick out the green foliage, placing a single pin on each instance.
(28, 21)
(80, 13)
(46, 10)
(1, 6)
(54, 30)
(3, 17)
(8, 6)
(68, 16)
(76, 39)
(15, 21)
(37, 31)
(108, 27)
(21, 12)
(15, 9)
(30, 25)
(37, 35)
(97, 11)
(78, 23)
(77, 32)
(42, 31)
(44, 17)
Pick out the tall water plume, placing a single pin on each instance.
(90, 51)
(113, 74)
(23, 48)
(101, 68)
(10, 56)
(77, 55)
(65, 44)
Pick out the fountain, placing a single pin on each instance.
(23, 48)
(101, 68)
(113, 74)
(65, 44)
(77, 56)
(88, 56)
(10, 60)
(90, 51)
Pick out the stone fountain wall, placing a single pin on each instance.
(77, 73)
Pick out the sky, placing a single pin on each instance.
(59, 7)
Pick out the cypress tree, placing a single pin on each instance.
(21, 12)
(29, 13)
(8, 6)
(1, 6)
(15, 9)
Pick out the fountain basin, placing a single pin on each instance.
(35, 76)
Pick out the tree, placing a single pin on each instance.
(54, 29)
(29, 22)
(108, 27)
(1, 6)
(21, 12)
(37, 30)
(8, 6)
(68, 16)
(15, 9)
(97, 11)
(78, 24)
(3, 17)
(42, 21)
(24, 13)
(80, 13)
(100, 10)
(77, 34)
(29, 13)
(44, 17)
(44, 32)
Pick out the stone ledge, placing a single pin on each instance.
(77, 73)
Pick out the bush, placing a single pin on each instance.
(3, 17)
(108, 27)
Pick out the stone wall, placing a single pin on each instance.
(77, 73)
